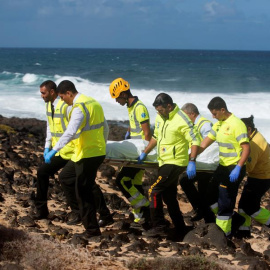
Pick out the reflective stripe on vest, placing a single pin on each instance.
(57, 128)
(189, 123)
(137, 128)
(199, 125)
(89, 139)
(87, 126)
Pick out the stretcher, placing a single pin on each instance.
(125, 153)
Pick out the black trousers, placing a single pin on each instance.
(43, 175)
(224, 192)
(165, 189)
(253, 191)
(196, 196)
(87, 193)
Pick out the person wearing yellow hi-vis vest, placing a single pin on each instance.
(129, 180)
(56, 111)
(197, 196)
(231, 135)
(86, 130)
(173, 133)
(258, 181)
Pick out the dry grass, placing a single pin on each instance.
(174, 263)
(35, 252)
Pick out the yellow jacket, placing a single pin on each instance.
(173, 136)
(258, 163)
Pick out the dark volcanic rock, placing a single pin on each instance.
(208, 233)
(107, 171)
(115, 201)
(27, 221)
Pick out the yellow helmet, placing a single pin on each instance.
(118, 86)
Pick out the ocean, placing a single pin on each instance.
(241, 78)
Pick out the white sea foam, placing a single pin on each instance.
(23, 100)
(29, 78)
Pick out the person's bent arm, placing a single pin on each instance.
(48, 141)
(245, 154)
(75, 122)
(151, 145)
(147, 150)
(194, 151)
(204, 144)
(146, 130)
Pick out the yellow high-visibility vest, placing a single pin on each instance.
(58, 125)
(173, 136)
(137, 113)
(89, 139)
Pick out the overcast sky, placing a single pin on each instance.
(164, 24)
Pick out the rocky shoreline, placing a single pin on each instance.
(21, 152)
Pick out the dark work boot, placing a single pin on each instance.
(198, 215)
(237, 221)
(74, 218)
(88, 234)
(242, 234)
(156, 232)
(106, 221)
(177, 234)
(41, 213)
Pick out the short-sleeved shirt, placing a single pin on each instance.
(138, 114)
(229, 134)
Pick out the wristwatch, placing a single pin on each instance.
(192, 159)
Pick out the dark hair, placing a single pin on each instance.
(49, 85)
(65, 86)
(217, 103)
(249, 122)
(190, 108)
(163, 100)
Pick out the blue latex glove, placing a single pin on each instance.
(191, 169)
(49, 156)
(235, 173)
(127, 136)
(141, 158)
(46, 151)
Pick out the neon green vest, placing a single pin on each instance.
(89, 140)
(137, 113)
(173, 136)
(58, 126)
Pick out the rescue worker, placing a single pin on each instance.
(85, 128)
(231, 135)
(56, 125)
(129, 180)
(197, 196)
(172, 135)
(258, 180)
